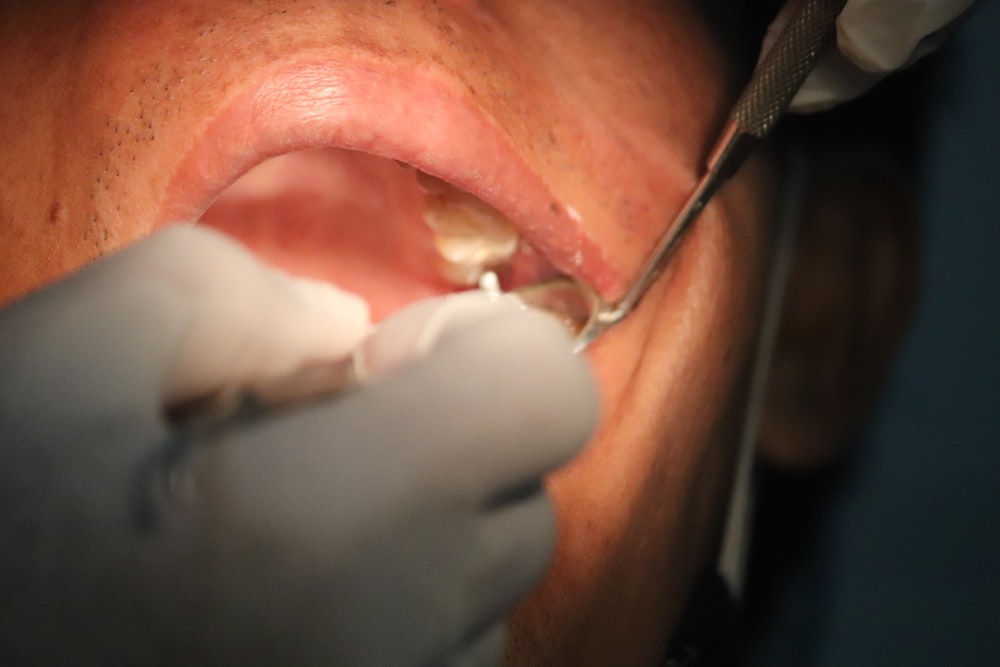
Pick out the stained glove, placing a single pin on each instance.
(392, 526)
(874, 38)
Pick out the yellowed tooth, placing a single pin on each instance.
(469, 235)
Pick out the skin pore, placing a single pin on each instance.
(582, 121)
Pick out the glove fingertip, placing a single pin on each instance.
(539, 348)
(834, 80)
(338, 319)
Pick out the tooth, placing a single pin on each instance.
(469, 235)
(464, 237)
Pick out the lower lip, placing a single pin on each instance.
(369, 106)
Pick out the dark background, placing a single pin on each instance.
(893, 556)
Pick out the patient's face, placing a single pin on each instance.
(581, 121)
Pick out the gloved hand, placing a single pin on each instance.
(393, 526)
(874, 38)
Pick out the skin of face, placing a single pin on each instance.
(584, 121)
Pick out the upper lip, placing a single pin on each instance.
(374, 106)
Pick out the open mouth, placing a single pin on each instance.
(326, 172)
(381, 229)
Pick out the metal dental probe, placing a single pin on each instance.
(762, 103)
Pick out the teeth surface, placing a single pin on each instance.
(470, 236)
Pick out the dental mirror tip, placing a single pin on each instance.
(566, 299)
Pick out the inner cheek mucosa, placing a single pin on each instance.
(372, 226)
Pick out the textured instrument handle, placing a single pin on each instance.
(780, 75)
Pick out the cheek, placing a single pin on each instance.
(48, 235)
(670, 383)
(640, 510)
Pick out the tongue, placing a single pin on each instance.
(343, 217)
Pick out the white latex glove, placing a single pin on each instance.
(393, 526)
(874, 38)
